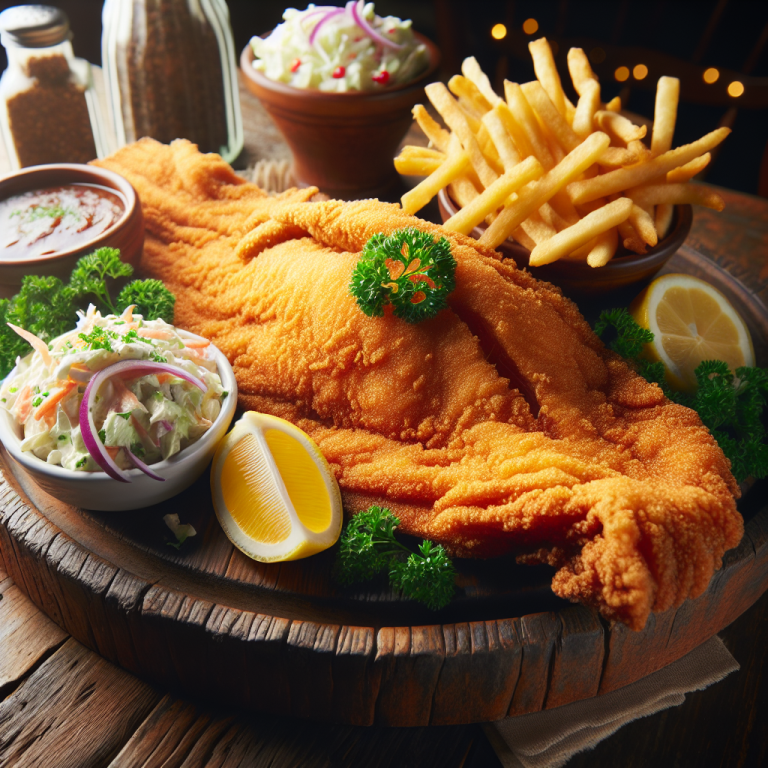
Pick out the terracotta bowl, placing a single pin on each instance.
(343, 143)
(578, 278)
(127, 233)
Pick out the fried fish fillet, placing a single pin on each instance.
(503, 425)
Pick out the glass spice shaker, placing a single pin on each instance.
(170, 72)
(48, 108)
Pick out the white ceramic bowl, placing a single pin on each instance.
(96, 490)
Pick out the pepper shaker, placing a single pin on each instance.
(48, 108)
(170, 72)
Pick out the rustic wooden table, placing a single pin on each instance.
(62, 705)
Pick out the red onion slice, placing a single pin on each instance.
(141, 465)
(357, 15)
(329, 15)
(88, 428)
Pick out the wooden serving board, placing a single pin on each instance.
(284, 638)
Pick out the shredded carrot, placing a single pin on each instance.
(50, 403)
(24, 403)
(196, 343)
(128, 313)
(38, 344)
(163, 377)
(154, 333)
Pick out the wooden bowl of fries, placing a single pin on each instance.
(576, 277)
(578, 192)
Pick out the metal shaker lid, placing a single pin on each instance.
(34, 26)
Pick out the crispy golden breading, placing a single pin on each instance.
(501, 425)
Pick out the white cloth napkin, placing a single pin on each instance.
(550, 738)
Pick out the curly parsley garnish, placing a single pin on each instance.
(47, 307)
(730, 405)
(368, 546)
(408, 270)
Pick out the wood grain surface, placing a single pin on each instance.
(189, 619)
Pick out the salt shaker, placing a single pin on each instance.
(170, 72)
(48, 108)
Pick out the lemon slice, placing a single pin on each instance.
(691, 321)
(273, 491)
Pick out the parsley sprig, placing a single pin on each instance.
(730, 405)
(409, 270)
(47, 307)
(368, 546)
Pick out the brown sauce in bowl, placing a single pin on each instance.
(44, 222)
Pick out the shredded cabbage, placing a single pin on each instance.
(342, 56)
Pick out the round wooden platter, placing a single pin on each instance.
(283, 638)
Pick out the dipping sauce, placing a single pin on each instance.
(47, 221)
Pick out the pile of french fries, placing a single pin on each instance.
(565, 181)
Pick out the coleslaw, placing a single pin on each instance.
(340, 49)
(164, 394)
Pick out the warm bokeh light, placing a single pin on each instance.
(530, 26)
(621, 74)
(735, 89)
(499, 32)
(640, 71)
(711, 75)
(597, 55)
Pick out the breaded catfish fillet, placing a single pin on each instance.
(501, 425)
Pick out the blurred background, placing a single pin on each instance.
(718, 49)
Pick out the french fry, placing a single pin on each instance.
(589, 227)
(432, 130)
(604, 248)
(461, 86)
(417, 166)
(630, 239)
(665, 115)
(415, 199)
(643, 223)
(537, 229)
(614, 105)
(564, 207)
(588, 104)
(466, 219)
(541, 103)
(618, 157)
(524, 239)
(450, 111)
(471, 70)
(514, 129)
(410, 150)
(618, 126)
(553, 218)
(519, 105)
(546, 73)
(581, 71)
(625, 178)
(553, 181)
(463, 191)
(689, 170)
(674, 194)
(663, 219)
(641, 151)
(505, 146)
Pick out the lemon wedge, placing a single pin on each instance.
(273, 491)
(691, 321)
